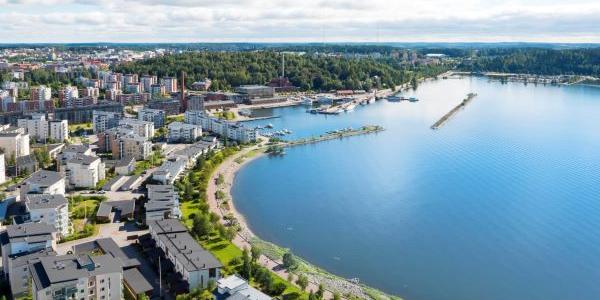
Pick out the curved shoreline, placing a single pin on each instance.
(245, 237)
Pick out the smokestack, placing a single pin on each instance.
(182, 100)
(282, 65)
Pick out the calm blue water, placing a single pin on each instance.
(501, 203)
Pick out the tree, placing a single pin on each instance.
(246, 270)
(319, 294)
(336, 296)
(302, 281)
(201, 226)
(289, 262)
(311, 296)
(255, 251)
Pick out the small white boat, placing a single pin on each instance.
(350, 107)
(269, 125)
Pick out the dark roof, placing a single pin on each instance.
(106, 246)
(125, 161)
(32, 232)
(106, 207)
(76, 148)
(109, 184)
(18, 268)
(26, 160)
(134, 279)
(183, 246)
(39, 201)
(57, 269)
(44, 178)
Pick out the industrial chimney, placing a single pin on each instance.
(182, 100)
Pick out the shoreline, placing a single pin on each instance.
(245, 237)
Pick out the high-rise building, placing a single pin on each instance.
(36, 126)
(170, 84)
(41, 93)
(147, 81)
(157, 116)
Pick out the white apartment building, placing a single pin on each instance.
(36, 126)
(50, 209)
(77, 277)
(68, 93)
(44, 182)
(14, 141)
(233, 131)
(59, 130)
(103, 120)
(144, 129)
(26, 238)
(85, 171)
(157, 116)
(183, 132)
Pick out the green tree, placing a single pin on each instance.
(302, 281)
(255, 251)
(289, 262)
(201, 225)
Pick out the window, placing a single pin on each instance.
(102, 281)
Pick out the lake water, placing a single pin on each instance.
(501, 203)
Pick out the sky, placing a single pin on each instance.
(65, 21)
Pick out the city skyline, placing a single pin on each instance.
(71, 21)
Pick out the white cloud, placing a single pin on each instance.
(292, 20)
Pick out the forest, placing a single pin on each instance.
(535, 61)
(308, 72)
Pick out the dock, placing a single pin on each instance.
(442, 121)
(338, 134)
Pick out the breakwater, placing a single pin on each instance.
(335, 135)
(444, 119)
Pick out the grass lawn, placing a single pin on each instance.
(87, 207)
(80, 230)
(84, 126)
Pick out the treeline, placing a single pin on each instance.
(536, 61)
(308, 72)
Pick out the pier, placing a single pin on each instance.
(335, 135)
(442, 121)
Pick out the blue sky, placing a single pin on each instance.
(298, 21)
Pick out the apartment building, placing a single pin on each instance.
(170, 84)
(41, 93)
(84, 171)
(124, 142)
(183, 132)
(44, 182)
(147, 81)
(194, 264)
(77, 277)
(144, 129)
(163, 202)
(59, 130)
(14, 142)
(157, 116)
(103, 120)
(36, 125)
(50, 209)
(231, 130)
(26, 238)
(68, 93)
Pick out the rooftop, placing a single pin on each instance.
(58, 269)
(40, 201)
(183, 246)
(44, 178)
(83, 159)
